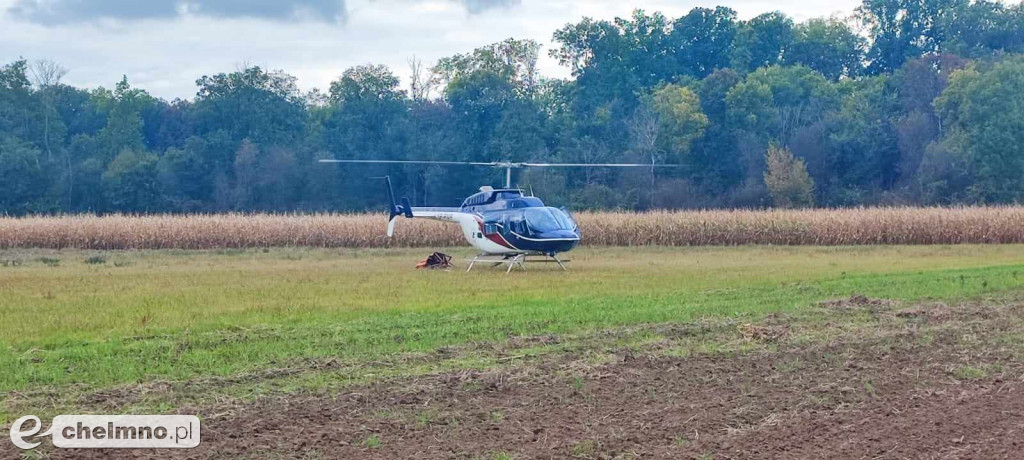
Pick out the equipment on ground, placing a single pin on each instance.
(436, 261)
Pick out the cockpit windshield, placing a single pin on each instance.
(543, 220)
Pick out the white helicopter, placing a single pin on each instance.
(503, 224)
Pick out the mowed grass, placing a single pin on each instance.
(104, 319)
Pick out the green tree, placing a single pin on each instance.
(946, 175)
(124, 122)
(702, 40)
(986, 107)
(615, 61)
(775, 101)
(21, 114)
(904, 29)
(131, 182)
(186, 178)
(917, 126)
(827, 46)
(865, 141)
(479, 100)
(366, 113)
(680, 118)
(22, 178)
(787, 180)
(762, 41)
(595, 196)
(265, 107)
(713, 163)
(372, 83)
(515, 60)
(975, 28)
(365, 119)
(751, 107)
(856, 104)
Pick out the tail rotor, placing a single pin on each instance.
(394, 209)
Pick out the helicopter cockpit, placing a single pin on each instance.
(548, 219)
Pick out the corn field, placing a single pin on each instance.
(688, 228)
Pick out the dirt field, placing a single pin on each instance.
(856, 378)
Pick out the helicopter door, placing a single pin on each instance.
(515, 224)
(504, 225)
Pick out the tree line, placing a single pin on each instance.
(905, 102)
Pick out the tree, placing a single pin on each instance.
(946, 175)
(265, 107)
(827, 46)
(904, 29)
(367, 108)
(373, 83)
(662, 129)
(131, 182)
(595, 196)
(986, 107)
(976, 28)
(679, 114)
(514, 60)
(82, 187)
(247, 169)
(615, 61)
(20, 113)
(22, 179)
(499, 121)
(762, 41)
(787, 179)
(920, 82)
(750, 107)
(479, 100)
(713, 163)
(421, 83)
(871, 108)
(776, 101)
(365, 120)
(702, 40)
(124, 122)
(47, 76)
(865, 142)
(712, 91)
(186, 177)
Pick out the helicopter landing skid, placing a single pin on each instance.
(515, 260)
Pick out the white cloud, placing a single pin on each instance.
(51, 12)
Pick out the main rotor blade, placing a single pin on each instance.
(597, 165)
(505, 164)
(411, 162)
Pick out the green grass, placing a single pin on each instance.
(180, 315)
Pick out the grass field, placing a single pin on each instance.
(76, 323)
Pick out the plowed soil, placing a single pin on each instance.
(950, 393)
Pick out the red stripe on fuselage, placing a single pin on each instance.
(496, 238)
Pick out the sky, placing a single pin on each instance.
(163, 46)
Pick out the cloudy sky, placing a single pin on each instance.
(164, 45)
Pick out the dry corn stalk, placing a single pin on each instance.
(689, 228)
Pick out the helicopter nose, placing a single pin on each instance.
(559, 240)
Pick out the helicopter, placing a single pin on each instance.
(506, 226)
